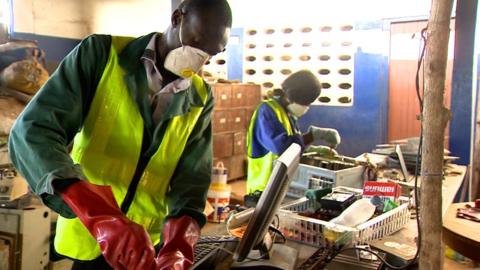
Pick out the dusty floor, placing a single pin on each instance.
(452, 265)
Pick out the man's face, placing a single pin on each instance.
(203, 32)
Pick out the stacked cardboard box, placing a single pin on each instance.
(234, 106)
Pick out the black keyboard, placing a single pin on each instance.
(210, 245)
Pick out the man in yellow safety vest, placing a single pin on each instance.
(273, 128)
(138, 116)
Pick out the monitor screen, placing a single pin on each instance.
(269, 202)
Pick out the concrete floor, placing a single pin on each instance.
(452, 265)
(238, 191)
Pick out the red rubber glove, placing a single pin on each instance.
(124, 244)
(179, 237)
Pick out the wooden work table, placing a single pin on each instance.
(461, 234)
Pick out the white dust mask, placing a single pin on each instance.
(186, 60)
(297, 109)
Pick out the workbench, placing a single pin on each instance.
(401, 243)
(304, 251)
(461, 234)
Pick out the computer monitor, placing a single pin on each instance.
(403, 166)
(267, 206)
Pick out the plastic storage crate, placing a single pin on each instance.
(312, 177)
(311, 231)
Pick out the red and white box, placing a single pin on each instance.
(384, 190)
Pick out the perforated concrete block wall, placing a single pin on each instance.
(217, 66)
(271, 54)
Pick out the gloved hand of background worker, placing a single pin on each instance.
(329, 135)
(322, 150)
(317, 194)
(124, 244)
(179, 238)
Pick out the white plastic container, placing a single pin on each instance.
(219, 174)
(311, 177)
(219, 197)
(358, 212)
(312, 231)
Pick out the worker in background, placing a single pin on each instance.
(139, 120)
(273, 128)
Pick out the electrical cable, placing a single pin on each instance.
(376, 254)
(417, 76)
(278, 232)
(273, 227)
(420, 144)
(278, 222)
(419, 151)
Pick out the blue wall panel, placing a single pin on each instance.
(461, 101)
(56, 48)
(235, 54)
(363, 125)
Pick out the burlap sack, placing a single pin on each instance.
(10, 109)
(26, 76)
(17, 44)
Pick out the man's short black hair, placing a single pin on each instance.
(221, 7)
(302, 87)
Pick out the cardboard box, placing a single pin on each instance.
(238, 167)
(223, 145)
(245, 95)
(239, 143)
(238, 120)
(223, 96)
(384, 190)
(220, 121)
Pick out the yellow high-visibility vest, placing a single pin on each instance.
(260, 169)
(108, 148)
